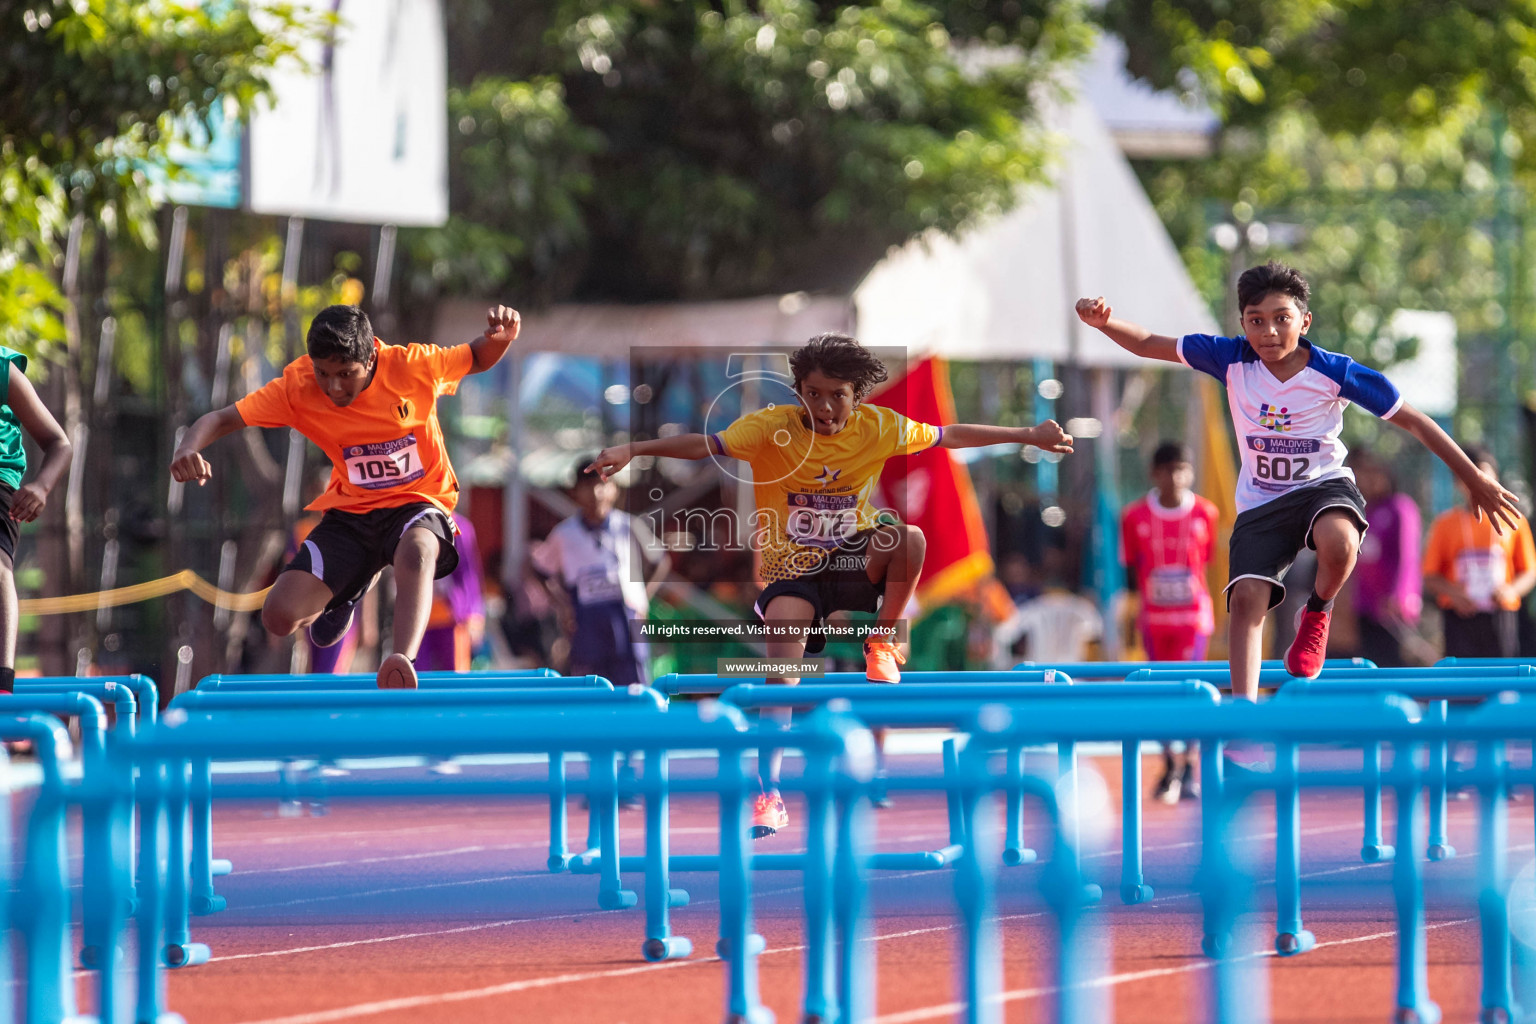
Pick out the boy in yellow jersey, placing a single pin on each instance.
(825, 547)
(372, 408)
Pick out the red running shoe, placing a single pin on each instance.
(768, 814)
(1304, 659)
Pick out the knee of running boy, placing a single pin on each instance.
(1249, 602)
(1337, 540)
(416, 552)
(916, 543)
(278, 620)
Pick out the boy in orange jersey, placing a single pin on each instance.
(825, 547)
(1479, 577)
(372, 408)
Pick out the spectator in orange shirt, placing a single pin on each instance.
(372, 408)
(1479, 576)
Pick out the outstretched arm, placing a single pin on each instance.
(1488, 496)
(1134, 338)
(45, 430)
(681, 446)
(1047, 435)
(502, 326)
(186, 464)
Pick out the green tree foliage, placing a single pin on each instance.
(90, 91)
(1383, 146)
(638, 150)
(1355, 64)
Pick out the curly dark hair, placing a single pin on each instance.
(841, 358)
(340, 332)
(1273, 276)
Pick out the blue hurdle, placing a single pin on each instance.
(366, 681)
(199, 897)
(41, 906)
(206, 867)
(601, 733)
(1434, 685)
(870, 704)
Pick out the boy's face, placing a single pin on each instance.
(829, 401)
(341, 379)
(1173, 477)
(1274, 326)
(597, 498)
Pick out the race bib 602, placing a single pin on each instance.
(385, 463)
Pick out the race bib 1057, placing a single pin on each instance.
(384, 463)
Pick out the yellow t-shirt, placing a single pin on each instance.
(813, 491)
(386, 448)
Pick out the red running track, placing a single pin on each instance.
(385, 913)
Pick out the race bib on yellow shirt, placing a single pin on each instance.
(384, 463)
(822, 520)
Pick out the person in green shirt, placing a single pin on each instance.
(21, 409)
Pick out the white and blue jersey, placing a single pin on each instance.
(1288, 431)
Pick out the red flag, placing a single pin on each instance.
(932, 489)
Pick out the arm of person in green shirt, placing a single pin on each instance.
(40, 425)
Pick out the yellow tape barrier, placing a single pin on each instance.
(184, 580)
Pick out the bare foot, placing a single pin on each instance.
(397, 673)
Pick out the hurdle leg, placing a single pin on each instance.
(116, 883)
(1133, 888)
(1413, 1002)
(1498, 999)
(150, 1002)
(739, 946)
(820, 1003)
(95, 880)
(44, 915)
(180, 950)
(1239, 984)
(1214, 941)
(559, 851)
(1440, 847)
(1014, 850)
(1066, 768)
(1372, 849)
(611, 894)
(660, 898)
(975, 892)
(951, 759)
(204, 865)
(1290, 936)
(855, 954)
(1078, 963)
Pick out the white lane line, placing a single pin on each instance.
(1111, 980)
(381, 860)
(1250, 837)
(393, 889)
(484, 926)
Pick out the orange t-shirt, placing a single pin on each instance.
(1469, 553)
(386, 448)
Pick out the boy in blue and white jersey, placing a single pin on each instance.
(1287, 398)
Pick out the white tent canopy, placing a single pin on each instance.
(1005, 290)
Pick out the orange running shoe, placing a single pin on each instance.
(768, 814)
(881, 660)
